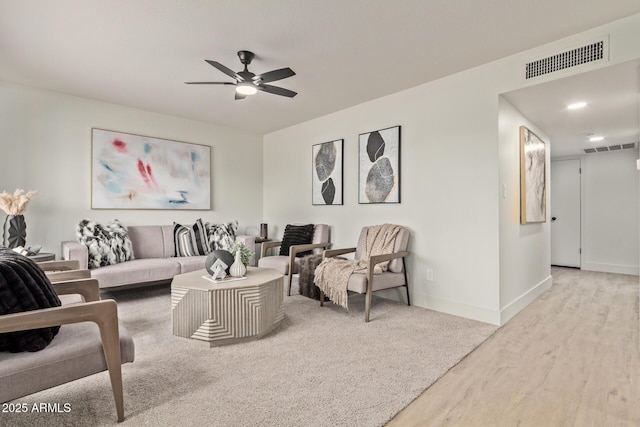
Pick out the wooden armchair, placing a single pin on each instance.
(75, 352)
(367, 283)
(288, 265)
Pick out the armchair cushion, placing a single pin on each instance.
(296, 235)
(191, 241)
(280, 263)
(25, 287)
(107, 243)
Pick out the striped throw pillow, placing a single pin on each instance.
(191, 241)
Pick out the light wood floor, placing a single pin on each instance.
(571, 358)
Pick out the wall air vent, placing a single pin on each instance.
(610, 148)
(582, 55)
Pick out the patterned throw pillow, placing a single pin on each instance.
(191, 241)
(296, 235)
(222, 236)
(107, 243)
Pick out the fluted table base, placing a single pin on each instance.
(227, 313)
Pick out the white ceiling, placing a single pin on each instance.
(612, 95)
(138, 53)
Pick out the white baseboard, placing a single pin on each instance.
(633, 270)
(515, 306)
(481, 314)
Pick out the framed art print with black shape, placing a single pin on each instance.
(326, 182)
(379, 166)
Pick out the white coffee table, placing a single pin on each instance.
(227, 313)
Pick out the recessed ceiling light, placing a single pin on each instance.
(596, 138)
(576, 105)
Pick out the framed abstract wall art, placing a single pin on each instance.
(326, 182)
(140, 172)
(379, 166)
(533, 205)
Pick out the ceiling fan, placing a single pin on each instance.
(248, 83)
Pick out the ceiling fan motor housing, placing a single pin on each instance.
(245, 56)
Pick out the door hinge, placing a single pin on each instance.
(580, 251)
(579, 170)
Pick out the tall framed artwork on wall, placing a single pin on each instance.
(131, 171)
(326, 182)
(533, 183)
(379, 166)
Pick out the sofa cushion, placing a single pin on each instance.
(107, 243)
(190, 263)
(136, 271)
(147, 241)
(191, 241)
(296, 235)
(222, 236)
(24, 287)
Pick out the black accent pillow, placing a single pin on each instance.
(25, 287)
(296, 235)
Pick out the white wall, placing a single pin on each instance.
(452, 164)
(610, 212)
(45, 145)
(525, 250)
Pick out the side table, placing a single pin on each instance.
(258, 249)
(42, 257)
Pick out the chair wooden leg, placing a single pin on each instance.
(406, 279)
(290, 280)
(111, 346)
(321, 298)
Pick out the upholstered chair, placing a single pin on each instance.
(367, 282)
(78, 350)
(288, 264)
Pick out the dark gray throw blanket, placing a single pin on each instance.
(24, 287)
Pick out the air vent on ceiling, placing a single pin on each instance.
(610, 148)
(582, 55)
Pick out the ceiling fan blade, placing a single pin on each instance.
(240, 96)
(274, 75)
(209, 83)
(277, 90)
(225, 70)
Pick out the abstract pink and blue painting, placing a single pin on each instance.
(140, 172)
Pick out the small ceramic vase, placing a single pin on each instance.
(237, 268)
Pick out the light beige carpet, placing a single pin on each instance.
(321, 367)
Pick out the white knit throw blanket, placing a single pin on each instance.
(332, 275)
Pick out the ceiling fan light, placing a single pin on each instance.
(576, 105)
(246, 89)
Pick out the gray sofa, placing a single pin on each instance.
(155, 260)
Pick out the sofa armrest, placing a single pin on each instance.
(71, 250)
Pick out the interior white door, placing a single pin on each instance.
(565, 212)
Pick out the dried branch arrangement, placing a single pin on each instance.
(16, 203)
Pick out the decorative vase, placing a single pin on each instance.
(237, 268)
(221, 254)
(14, 231)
